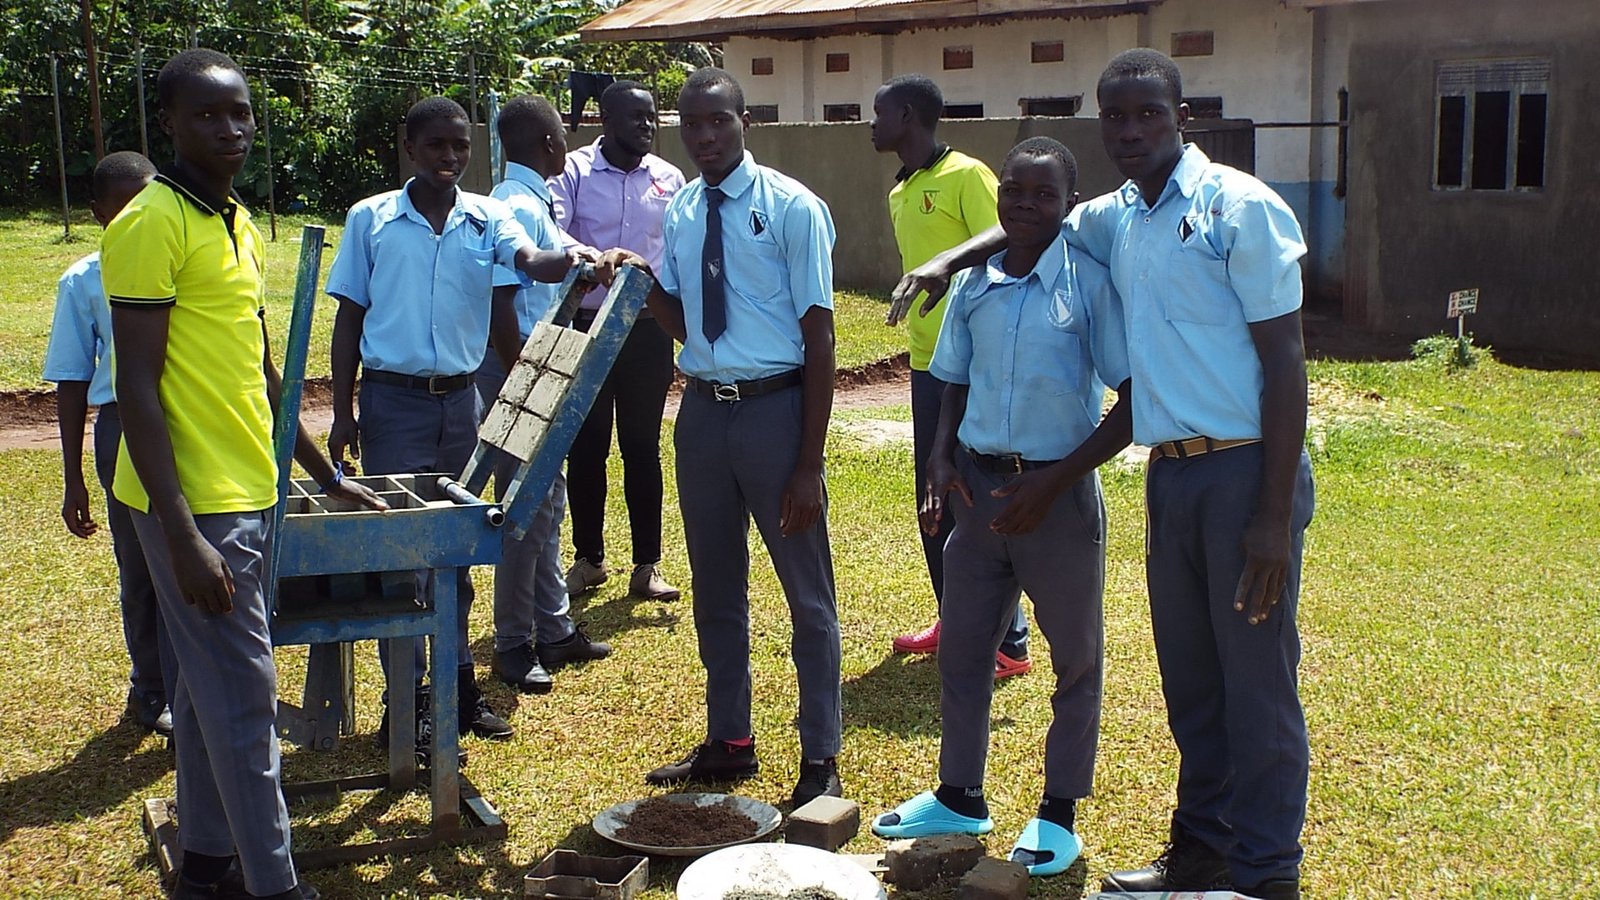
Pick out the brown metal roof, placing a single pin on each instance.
(658, 20)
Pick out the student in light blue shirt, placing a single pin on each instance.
(78, 360)
(747, 286)
(414, 277)
(1028, 340)
(533, 625)
(1207, 261)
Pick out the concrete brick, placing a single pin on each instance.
(994, 879)
(826, 823)
(916, 865)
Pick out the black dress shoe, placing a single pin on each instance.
(1273, 889)
(151, 712)
(476, 716)
(817, 779)
(520, 668)
(711, 761)
(576, 648)
(1187, 864)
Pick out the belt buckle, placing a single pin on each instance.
(725, 393)
(433, 388)
(1015, 459)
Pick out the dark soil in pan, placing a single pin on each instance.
(659, 822)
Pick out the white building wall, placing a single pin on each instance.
(1267, 62)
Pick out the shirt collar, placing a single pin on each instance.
(528, 178)
(197, 194)
(1048, 269)
(940, 151)
(404, 208)
(1185, 176)
(740, 179)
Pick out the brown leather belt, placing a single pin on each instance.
(743, 390)
(1198, 446)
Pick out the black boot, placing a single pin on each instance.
(1187, 864)
(476, 716)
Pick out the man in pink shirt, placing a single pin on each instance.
(614, 193)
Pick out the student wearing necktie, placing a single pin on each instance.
(746, 284)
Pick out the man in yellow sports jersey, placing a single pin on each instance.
(941, 198)
(181, 265)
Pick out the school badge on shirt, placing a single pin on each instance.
(928, 202)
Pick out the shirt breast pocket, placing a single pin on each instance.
(1197, 291)
(473, 274)
(759, 268)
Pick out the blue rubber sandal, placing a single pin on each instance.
(1046, 848)
(924, 816)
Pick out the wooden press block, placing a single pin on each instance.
(525, 436)
(547, 394)
(540, 343)
(568, 351)
(519, 383)
(497, 426)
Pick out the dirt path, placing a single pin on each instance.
(29, 417)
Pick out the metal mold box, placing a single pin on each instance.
(568, 874)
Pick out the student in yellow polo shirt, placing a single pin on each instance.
(941, 198)
(182, 267)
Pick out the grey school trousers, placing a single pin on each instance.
(1233, 702)
(142, 630)
(530, 591)
(1061, 565)
(407, 431)
(225, 703)
(733, 462)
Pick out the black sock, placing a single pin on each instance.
(968, 802)
(293, 893)
(1060, 810)
(202, 869)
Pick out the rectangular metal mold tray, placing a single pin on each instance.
(569, 875)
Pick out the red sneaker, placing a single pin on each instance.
(1005, 666)
(924, 641)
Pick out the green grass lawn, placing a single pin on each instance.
(37, 256)
(1449, 674)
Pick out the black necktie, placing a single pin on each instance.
(713, 285)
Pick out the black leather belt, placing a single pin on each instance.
(1007, 463)
(433, 384)
(743, 390)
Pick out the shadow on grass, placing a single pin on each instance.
(606, 618)
(899, 695)
(102, 775)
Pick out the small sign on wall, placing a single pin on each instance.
(1462, 303)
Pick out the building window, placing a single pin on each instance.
(841, 112)
(958, 57)
(763, 112)
(761, 65)
(963, 110)
(1049, 51)
(1493, 122)
(837, 62)
(1204, 107)
(1193, 43)
(1051, 106)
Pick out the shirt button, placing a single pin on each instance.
(1147, 220)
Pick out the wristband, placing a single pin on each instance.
(338, 478)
